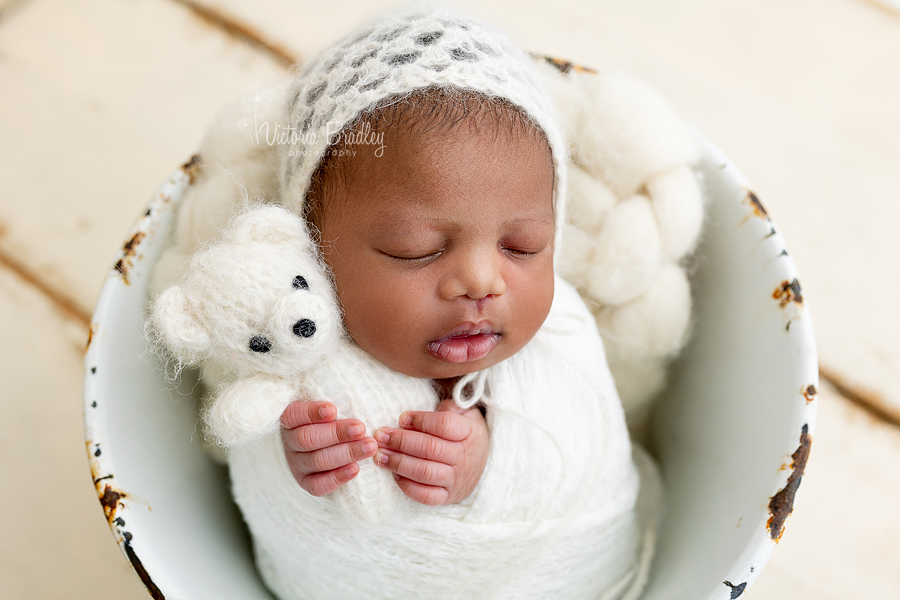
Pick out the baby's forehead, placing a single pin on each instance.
(448, 111)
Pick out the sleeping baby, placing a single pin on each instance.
(427, 172)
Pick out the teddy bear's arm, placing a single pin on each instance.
(248, 409)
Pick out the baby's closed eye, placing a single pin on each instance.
(420, 257)
(526, 243)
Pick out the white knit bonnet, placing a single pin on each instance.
(417, 46)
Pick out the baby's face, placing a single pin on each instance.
(442, 248)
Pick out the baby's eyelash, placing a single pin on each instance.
(517, 252)
(416, 259)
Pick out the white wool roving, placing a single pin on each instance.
(560, 492)
(635, 211)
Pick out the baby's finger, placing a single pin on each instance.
(298, 414)
(421, 445)
(419, 470)
(421, 493)
(308, 438)
(444, 424)
(320, 484)
(333, 457)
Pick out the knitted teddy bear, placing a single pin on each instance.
(259, 303)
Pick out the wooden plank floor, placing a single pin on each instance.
(101, 99)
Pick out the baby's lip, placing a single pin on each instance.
(466, 343)
(468, 329)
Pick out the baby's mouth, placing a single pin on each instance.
(468, 342)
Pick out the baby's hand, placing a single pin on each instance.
(437, 457)
(321, 451)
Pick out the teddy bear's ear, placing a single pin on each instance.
(178, 328)
(270, 224)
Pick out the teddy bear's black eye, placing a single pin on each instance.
(300, 283)
(260, 344)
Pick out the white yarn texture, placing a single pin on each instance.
(559, 492)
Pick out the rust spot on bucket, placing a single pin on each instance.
(564, 66)
(758, 209)
(782, 503)
(138, 567)
(129, 250)
(787, 292)
(110, 500)
(810, 393)
(191, 167)
(130, 245)
(736, 590)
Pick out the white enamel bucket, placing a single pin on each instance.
(732, 431)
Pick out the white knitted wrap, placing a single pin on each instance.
(395, 54)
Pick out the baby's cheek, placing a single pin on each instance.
(536, 297)
(377, 322)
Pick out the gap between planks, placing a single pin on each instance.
(233, 27)
(892, 7)
(866, 400)
(65, 304)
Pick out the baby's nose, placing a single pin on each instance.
(476, 277)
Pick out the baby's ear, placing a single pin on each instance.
(270, 224)
(177, 326)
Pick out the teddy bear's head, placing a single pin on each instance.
(258, 300)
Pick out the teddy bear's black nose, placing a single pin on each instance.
(260, 344)
(305, 328)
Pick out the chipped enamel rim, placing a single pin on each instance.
(117, 504)
(737, 419)
(734, 440)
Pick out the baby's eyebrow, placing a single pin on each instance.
(404, 222)
(540, 219)
(407, 223)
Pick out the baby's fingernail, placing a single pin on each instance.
(327, 411)
(381, 457)
(382, 436)
(351, 469)
(369, 446)
(356, 429)
(405, 419)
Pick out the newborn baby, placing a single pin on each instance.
(428, 163)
